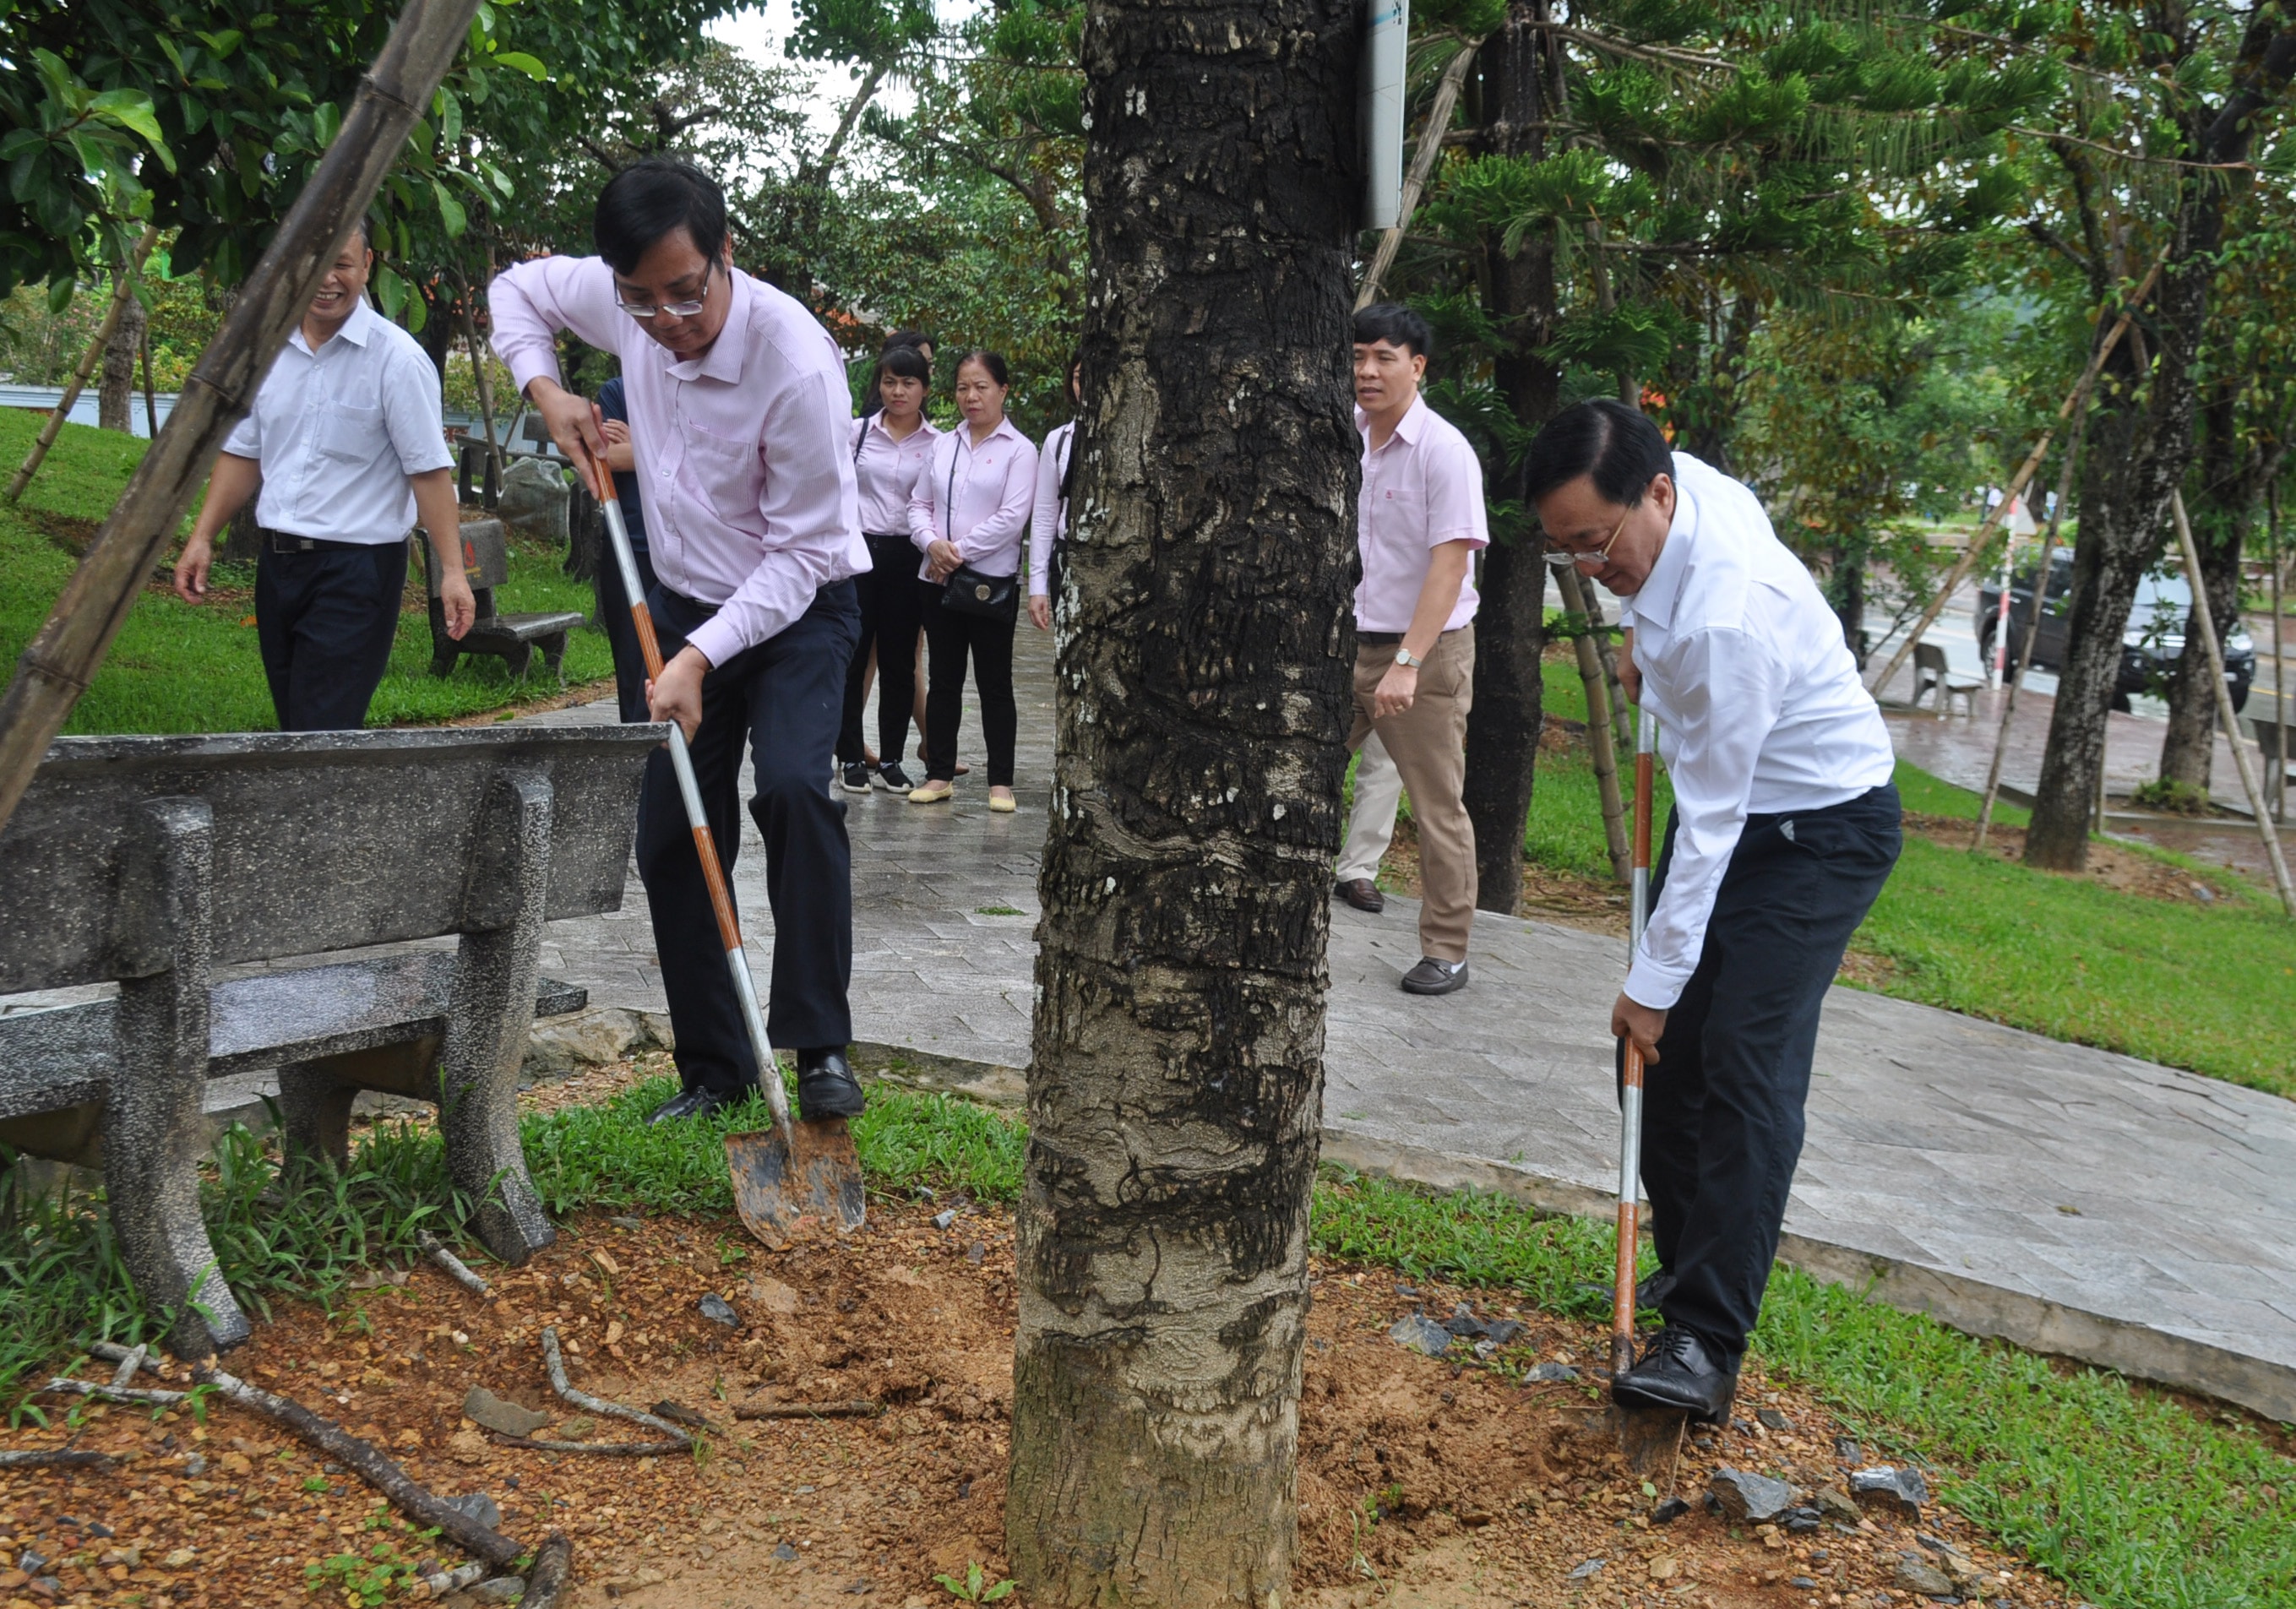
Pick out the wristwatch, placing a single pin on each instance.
(1404, 656)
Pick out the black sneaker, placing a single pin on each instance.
(894, 779)
(1433, 977)
(857, 778)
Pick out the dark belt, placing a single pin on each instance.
(287, 542)
(1387, 639)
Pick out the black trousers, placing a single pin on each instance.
(1722, 1107)
(780, 698)
(949, 637)
(622, 632)
(325, 620)
(889, 604)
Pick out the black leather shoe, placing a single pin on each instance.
(1433, 977)
(694, 1103)
(1651, 1292)
(857, 778)
(1364, 894)
(1676, 1371)
(825, 1085)
(895, 779)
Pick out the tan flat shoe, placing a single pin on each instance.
(933, 792)
(1003, 804)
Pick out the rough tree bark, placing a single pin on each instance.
(115, 396)
(1204, 690)
(2141, 444)
(2232, 483)
(1503, 729)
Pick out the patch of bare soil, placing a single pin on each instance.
(2110, 865)
(1421, 1482)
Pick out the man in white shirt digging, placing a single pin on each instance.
(349, 447)
(1785, 826)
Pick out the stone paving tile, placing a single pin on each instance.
(1936, 1142)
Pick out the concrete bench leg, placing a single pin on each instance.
(154, 1131)
(491, 1014)
(316, 1097)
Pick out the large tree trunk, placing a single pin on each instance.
(1205, 672)
(2230, 485)
(116, 389)
(2141, 448)
(1510, 628)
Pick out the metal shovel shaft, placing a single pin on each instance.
(1630, 1082)
(705, 842)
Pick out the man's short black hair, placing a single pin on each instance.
(1617, 447)
(1396, 325)
(651, 199)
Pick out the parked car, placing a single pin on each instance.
(2149, 642)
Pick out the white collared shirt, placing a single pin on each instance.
(1760, 705)
(744, 453)
(339, 430)
(886, 467)
(1050, 521)
(1422, 488)
(978, 497)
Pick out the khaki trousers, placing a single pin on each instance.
(1427, 743)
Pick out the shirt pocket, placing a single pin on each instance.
(349, 433)
(729, 472)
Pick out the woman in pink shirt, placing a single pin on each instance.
(968, 513)
(889, 449)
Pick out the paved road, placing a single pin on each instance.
(2072, 1200)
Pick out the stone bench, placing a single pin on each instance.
(152, 862)
(511, 637)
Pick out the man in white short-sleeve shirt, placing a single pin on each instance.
(1419, 520)
(347, 444)
(1784, 827)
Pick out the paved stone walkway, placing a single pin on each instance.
(2070, 1200)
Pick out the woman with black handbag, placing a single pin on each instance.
(891, 446)
(967, 516)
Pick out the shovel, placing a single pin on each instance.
(1650, 1439)
(792, 1171)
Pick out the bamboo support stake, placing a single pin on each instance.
(2015, 679)
(2280, 706)
(1423, 164)
(1599, 732)
(123, 287)
(2225, 712)
(63, 657)
(2016, 487)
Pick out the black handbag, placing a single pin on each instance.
(992, 597)
(969, 592)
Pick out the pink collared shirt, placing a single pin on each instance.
(1422, 488)
(978, 497)
(744, 454)
(887, 469)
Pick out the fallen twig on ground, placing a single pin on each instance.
(456, 1268)
(366, 1460)
(445, 1581)
(553, 1574)
(64, 1386)
(128, 1366)
(57, 1458)
(596, 1449)
(111, 1351)
(556, 1364)
(862, 1409)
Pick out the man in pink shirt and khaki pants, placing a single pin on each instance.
(740, 427)
(1418, 521)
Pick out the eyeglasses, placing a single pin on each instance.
(1591, 558)
(676, 309)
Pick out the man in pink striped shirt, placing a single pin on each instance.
(740, 423)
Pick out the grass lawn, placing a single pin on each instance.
(2210, 988)
(175, 667)
(2135, 1501)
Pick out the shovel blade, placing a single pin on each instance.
(1651, 1440)
(776, 1192)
